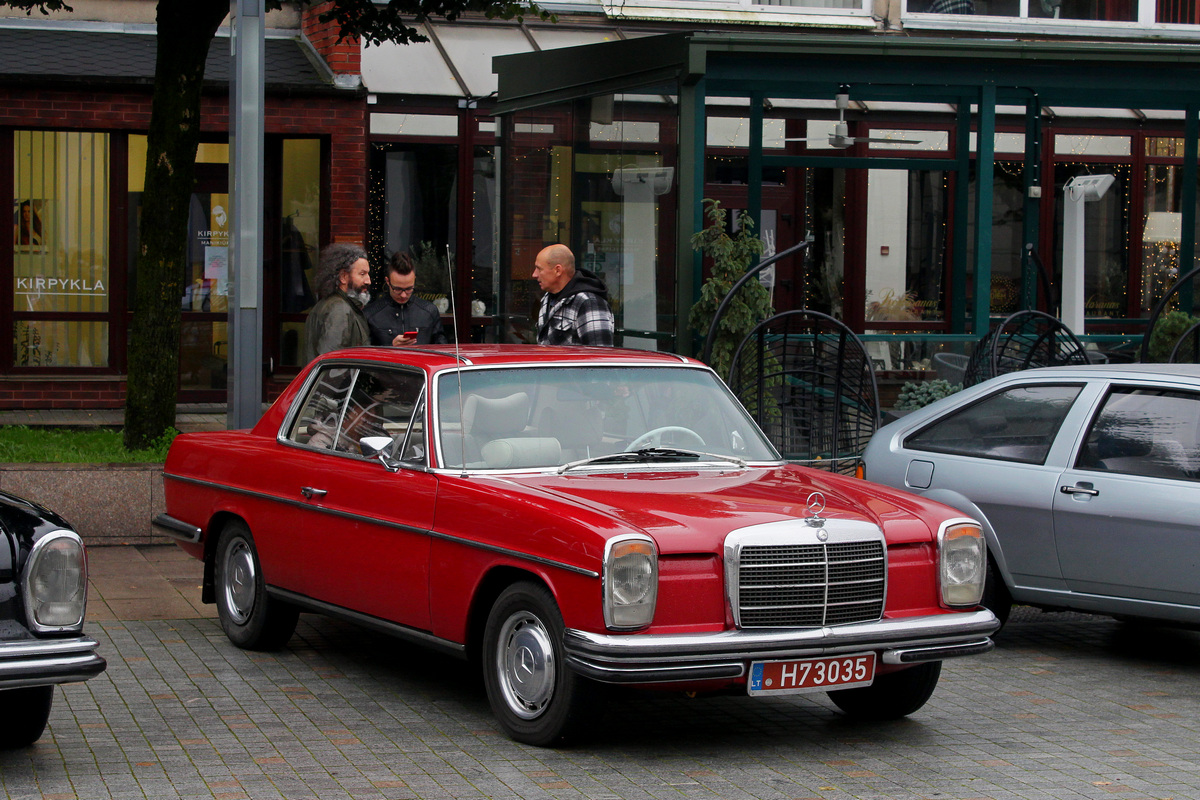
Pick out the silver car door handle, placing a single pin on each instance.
(1078, 490)
(309, 492)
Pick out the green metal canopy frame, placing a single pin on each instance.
(973, 75)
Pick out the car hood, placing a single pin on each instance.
(693, 511)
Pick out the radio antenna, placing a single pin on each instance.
(462, 422)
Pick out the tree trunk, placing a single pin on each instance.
(185, 30)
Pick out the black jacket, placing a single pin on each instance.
(388, 319)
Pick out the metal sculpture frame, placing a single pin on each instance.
(809, 383)
(1023, 340)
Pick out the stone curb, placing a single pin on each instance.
(108, 504)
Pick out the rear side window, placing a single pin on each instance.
(1147, 432)
(1018, 424)
(345, 405)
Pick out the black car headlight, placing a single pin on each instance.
(54, 583)
(630, 582)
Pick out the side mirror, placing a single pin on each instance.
(372, 446)
(377, 447)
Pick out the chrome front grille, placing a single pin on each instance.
(809, 585)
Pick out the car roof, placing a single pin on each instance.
(438, 357)
(1113, 371)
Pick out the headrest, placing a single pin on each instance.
(541, 451)
(495, 417)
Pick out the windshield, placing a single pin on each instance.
(541, 417)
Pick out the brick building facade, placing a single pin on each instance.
(74, 109)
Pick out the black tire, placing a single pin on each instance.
(250, 617)
(891, 696)
(535, 696)
(996, 597)
(26, 712)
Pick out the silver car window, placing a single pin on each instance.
(1017, 424)
(1145, 432)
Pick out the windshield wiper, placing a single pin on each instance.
(651, 454)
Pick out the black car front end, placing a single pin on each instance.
(43, 599)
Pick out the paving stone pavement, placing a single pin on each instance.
(1068, 707)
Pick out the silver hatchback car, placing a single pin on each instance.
(1086, 480)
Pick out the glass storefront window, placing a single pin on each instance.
(203, 355)
(414, 209)
(1164, 146)
(1106, 10)
(825, 260)
(484, 203)
(1162, 226)
(1008, 234)
(606, 197)
(905, 257)
(300, 235)
(205, 278)
(60, 247)
(60, 343)
(906, 245)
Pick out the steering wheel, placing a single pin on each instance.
(655, 437)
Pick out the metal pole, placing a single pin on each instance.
(246, 100)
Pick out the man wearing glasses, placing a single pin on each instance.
(399, 317)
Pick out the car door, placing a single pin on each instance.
(1127, 512)
(361, 538)
(996, 453)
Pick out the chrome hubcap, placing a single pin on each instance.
(240, 582)
(525, 665)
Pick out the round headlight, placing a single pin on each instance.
(55, 583)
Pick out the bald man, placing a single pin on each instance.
(575, 307)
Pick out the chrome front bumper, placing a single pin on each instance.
(41, 662)
(653, 658)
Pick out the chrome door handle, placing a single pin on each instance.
(1078, 490)
(309, 492)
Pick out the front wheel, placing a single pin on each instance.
(891, 696)
(250, 617)
(26, 712)
(536, 698)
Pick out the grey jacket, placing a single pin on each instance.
(335, 322)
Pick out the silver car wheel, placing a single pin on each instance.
(240, 581)
(525, 665)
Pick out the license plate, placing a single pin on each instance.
(811, 674)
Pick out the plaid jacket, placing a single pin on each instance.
(581, 318)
